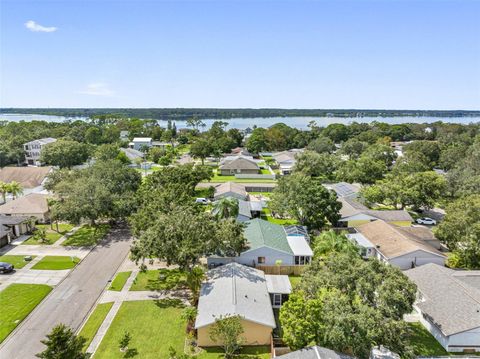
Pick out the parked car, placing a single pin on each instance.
(426, 220)
(202, 200)
(6, 267)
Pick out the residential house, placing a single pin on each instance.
(396, 245)
(354, 213)
(139, 143)
(238, 165)
(271, 244)
(31, 205)
(32, 179)
(16, 225)
(240, 151)
(230, 290)
(315, 352)
(33, 150)
(286, 160)
(230, 189)
(448, 302)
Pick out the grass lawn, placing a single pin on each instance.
(265, 172)
(219, 178)
(52, 234)
(56, 263)
(87, 236)
(119, 281)
(423, 343)
(17, 301)
(153, 325)
(294, 279)
(260, 352)
(94, 322)
(267, 216)
(17, 261)
(150, 280)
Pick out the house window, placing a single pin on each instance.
(277, 300)
(302, 260)
(261, 260)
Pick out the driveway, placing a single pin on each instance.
(32, 276)
(71, 301)
(44, 250)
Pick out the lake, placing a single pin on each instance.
(243, 123)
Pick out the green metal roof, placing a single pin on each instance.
(261, 233)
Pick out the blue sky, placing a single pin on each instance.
(288, 54)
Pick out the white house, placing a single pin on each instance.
(33, 150)
(449, 304)
(138, 143)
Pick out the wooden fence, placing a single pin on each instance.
(285, 270)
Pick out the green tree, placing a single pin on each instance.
(227, 333)
(353, 148)
(257, 142)
(194, 282)
(365, 170)
(15, 189)
(226, 208)
(305, 199)
(330, 241)
(418, 189)
(320, 165)
(430, 149)
(64, 153)
(322, 145)
(337, 132)
(62, 343)
(349, 305)
(201, 148)
(460, 232)
(93, 135)
(124, 341)
(182, 236)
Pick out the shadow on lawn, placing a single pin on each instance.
(169, 303)
(131, 353)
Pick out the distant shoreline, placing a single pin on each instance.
(183, 114)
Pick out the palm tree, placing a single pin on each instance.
(330, 241)
(225, 208)
(15, 188)
(3, 190)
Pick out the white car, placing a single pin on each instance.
(427, 221)
(202, 200)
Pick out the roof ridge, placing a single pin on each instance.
(464, 287)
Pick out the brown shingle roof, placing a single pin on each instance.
(391, 241)
(230, 187)
(28, 177)
(31, 203)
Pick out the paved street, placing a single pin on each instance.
(71, 301)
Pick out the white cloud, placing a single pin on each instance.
(33, 26)
(97, 89)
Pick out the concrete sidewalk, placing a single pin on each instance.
(45, 250)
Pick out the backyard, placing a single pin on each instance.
(56, 263)
(51, 233)
(17, 261)
(87, 235)
(159, 279)
(17, 301)
(267, 215)
(423, 343)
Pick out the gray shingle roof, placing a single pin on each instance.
(451, 299)
(244, 208)
(315, 352)
(234, 289)
(240, 163)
